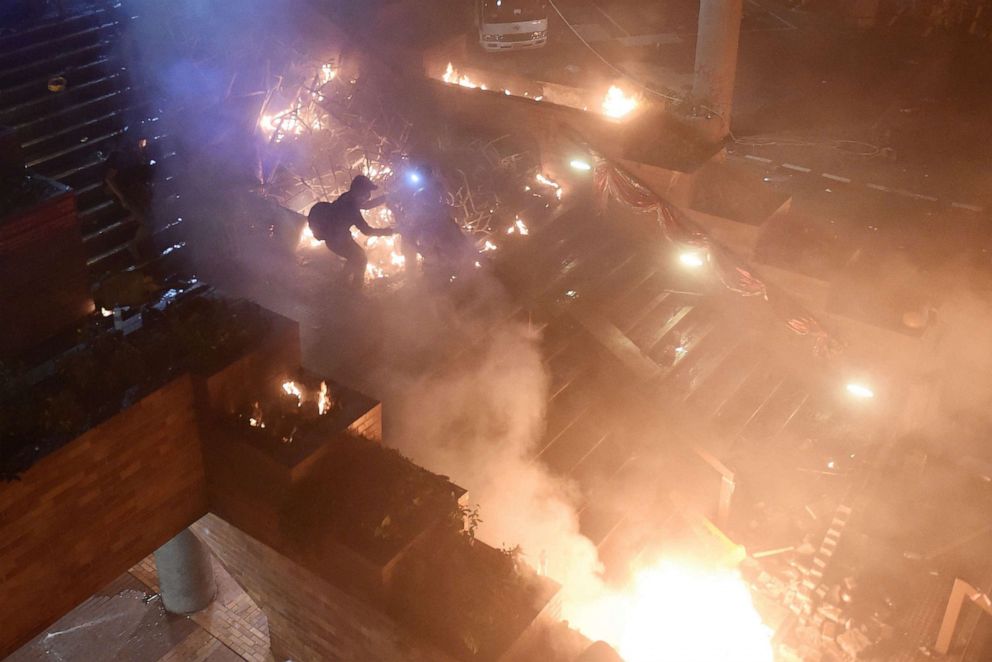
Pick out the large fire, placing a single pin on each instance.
(451, 76)
(299, 117)
(677, 612)
(617, 103)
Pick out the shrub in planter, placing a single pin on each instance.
(370, 497)
(109, 372)
(472, 599)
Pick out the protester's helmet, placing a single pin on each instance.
(362, 184)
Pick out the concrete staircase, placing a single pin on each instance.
(67, 135)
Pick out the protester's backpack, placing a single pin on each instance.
(322, 218)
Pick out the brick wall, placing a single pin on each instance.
(44, 286)
(309, 618)
(81, 515)
(369, 425)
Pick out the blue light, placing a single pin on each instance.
(414, 177)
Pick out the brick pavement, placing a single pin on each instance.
(232, 620)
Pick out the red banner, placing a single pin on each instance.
(614, 183)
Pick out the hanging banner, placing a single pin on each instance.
(614, 183)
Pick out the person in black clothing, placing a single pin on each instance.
(331, 222)
(129, 178)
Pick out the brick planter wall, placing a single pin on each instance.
(80, 516)
(254, 490)
(44, 286)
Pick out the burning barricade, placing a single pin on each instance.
(616, 103)
(488, 184)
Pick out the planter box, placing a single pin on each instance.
(266, 488)
(270, 361)
(44, 286)
(82, 515)
(535, 609)
(261, 495)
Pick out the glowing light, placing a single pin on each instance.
(451, 77)
(547, 181)
(674, 612)
(323, 400)
(105, 312)
(256, 416)
(307, 240)
(285, 123)
(860, 391)
(579, 164)
(290, 388)
(488, 246)
(617, 104)
(518, 227)
(414, 178)
(692, 259)
(327, 73)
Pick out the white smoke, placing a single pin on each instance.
(479, 421)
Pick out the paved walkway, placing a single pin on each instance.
(232, 620)
(126, 622)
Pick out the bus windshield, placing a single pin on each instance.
(514, 11)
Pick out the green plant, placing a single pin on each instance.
(470, 519)
(368, 496)
(472, 598)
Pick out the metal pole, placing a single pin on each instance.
(716, 63)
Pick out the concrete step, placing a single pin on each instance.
(52, 122)
(170, 258)
(67, 157)
(37, 87)
(61, 102)
(91, 195)
(41, 50)
(96, 147)
(80, 133)
(46, 30)
(98, 217)
(111, 237)
(56, 64)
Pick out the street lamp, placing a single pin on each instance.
(692, 259)
(579, 164)
(860, 391)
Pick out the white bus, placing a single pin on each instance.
(512, 24)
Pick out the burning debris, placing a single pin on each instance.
(680, 612)
(452, 77)
(303, 114)
(483, 179)
(294, 406)
(617, 104)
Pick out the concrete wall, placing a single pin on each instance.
(82, 515)
(310, 620)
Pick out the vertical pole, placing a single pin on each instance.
(185, 574)
(716, 63)
(961, 590)
(727, 486)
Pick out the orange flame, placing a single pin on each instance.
(674, 612)
(323, 400)
(617, 104)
